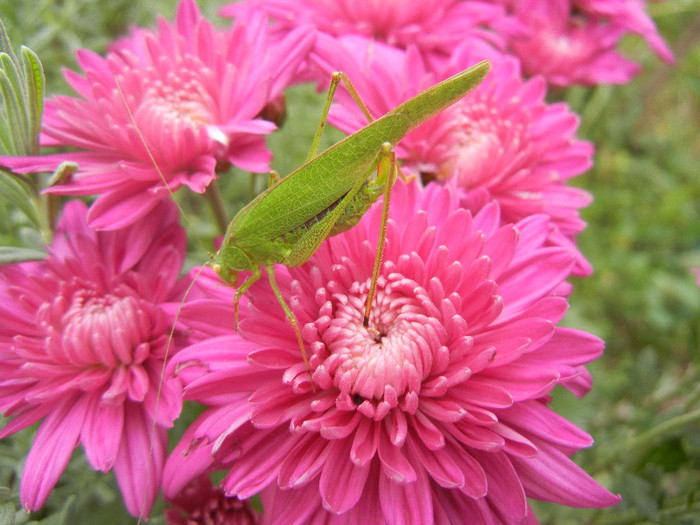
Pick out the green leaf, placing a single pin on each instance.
(7, 514)
(35, 82)
(5, 45)
(14, 193)
(7, 507)
(15, 254)
(10, 114)
(14, 75)
(22, 90)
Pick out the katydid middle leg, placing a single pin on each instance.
(292, 320)
(240, 291)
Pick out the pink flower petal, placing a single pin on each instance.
(102, 434)
(51, 450)
(342, 482)
(139, 464)
(551, 476)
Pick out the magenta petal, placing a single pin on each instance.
(139, 464)
(475, 482)
(119, 208)
(450, 506)
(342, 482)
(522, 382)
(552, 476)
(293, 507)
(532, 277)
(52, 448)
(274, 405)
(25, 419)
(574, 347)
(439, 464)
(186, 461)
(579, 384)
(102, 434)
(395, 465)
(534, 418)
(304, 462)
(405, 504)
(365, 441)
(45, 163)
(504, 487)
(261, 463)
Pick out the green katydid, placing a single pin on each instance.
(328, 194)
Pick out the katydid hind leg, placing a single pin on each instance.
(356, 96)
(388, 163)
(336, 78)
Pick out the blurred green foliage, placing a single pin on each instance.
(643, 237)
(642, 240)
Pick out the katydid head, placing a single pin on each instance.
(228, 262)
(227, 275)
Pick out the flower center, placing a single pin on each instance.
(85, 328)
(180, 96)
(484, 149)
(388, 360)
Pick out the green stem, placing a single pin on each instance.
(45, 212)
(647, 439)
(595, 109)
(216, 202)
(252, 179)
(634, 448)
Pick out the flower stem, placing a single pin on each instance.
(216, 202)
(45, 217)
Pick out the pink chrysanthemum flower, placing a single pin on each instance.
(434, 27)
(195, 94)
(82, 343)
(435, 413)
(575, 41)
(503, 142)
(200, 503)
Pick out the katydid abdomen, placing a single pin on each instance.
(325, 179)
